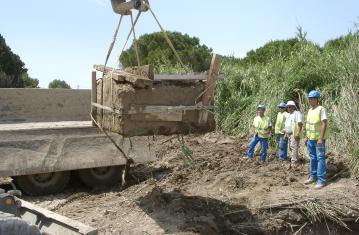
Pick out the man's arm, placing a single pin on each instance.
(324, 126)
(300, 127)
(323, 129)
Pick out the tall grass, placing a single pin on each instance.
(332, 71)
(279, 79)
(345, 108)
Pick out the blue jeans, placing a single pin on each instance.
(318, 169)
(283, 147)
(254, 142)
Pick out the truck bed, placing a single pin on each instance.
(41, 147)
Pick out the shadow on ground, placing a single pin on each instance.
(177, 213)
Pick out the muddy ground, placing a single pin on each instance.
(213, 190)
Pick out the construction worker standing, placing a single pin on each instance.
(316, 134)
(279, 131)
(262, 128)
(293, 128)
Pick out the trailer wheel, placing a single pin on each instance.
(42, 184)
(101, 177)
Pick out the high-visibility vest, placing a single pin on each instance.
(294, 124)
(261, 124)
(314, 124)
(279, 124)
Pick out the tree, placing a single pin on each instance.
(301, 34)
(13, 73)
(153, 49)
(57, 83)
(29, 82)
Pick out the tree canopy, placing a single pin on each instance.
(13, 73)
(57, 83)
(153, 49)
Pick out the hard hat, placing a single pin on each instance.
(314, 94)
(261, 106)
(282, 105)
(291, 103)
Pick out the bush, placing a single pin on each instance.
(56, 83)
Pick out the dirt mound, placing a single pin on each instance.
(204, 186)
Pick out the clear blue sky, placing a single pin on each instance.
(63, 39)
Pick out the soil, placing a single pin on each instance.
(207, 187)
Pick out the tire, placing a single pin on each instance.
(12, 225)
(42, 184)
(101, 177)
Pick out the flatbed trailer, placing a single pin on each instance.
(46, 136)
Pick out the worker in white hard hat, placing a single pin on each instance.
(293, 127)
(262, 128)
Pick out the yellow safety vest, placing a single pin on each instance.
(261, 126)
(279, 124)
(314, 124)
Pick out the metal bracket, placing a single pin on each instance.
(124, 8)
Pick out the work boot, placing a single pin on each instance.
(294, 164)
(310, 180)
(319, 186)
(248, 159)
(289, 166)
(262, 162)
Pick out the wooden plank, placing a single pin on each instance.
(161, 77)
(104, 69)
(137, 81)
(183, 77)
(155, 117)
(121, 76)
(143, 71)
(135, 109)
(208, 96)
(93, 96)
(105, 108)
(51, 223)
(147, 71)
(150, 109)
